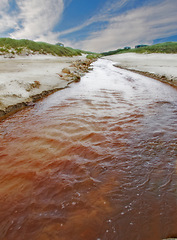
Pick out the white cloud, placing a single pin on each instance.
(32, 19)
(114, 5)
(6, 21)
(3, 4)
(37, 18)
(141, 25)
(49, 37)
(103, 15)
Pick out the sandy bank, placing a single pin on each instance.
(24, 80)
(159, 66)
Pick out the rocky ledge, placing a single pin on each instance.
(76, 70)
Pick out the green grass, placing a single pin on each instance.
(93, 56)
(168, 47)
(17, 46)
(8, 45)
(4, 50)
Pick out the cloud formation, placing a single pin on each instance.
(7, 21)
(141, 25)
(31, 19)
(103, 15)
(115, 25)
(37, 18)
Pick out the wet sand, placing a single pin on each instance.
(159, 66)
(162, 78)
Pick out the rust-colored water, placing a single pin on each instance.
(96, 161)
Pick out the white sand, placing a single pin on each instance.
(17, 76)
(157, 63)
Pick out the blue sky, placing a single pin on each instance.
(95, 25)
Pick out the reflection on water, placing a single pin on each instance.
(96, 161)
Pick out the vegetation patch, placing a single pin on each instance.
(93, 56)
(168, 47)
(24, 46)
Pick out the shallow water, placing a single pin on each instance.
(96, 161)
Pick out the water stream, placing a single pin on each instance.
(95, 161)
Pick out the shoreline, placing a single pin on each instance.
(159, 66)
(162, 78)
(70, 70)
(10, 110)
(26, 80)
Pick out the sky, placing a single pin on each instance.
(93, 25)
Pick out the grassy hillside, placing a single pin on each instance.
(168, 47)
(23, 46)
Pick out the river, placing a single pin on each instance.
(95, 161)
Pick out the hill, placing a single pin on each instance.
(13, 47)
(168, 47)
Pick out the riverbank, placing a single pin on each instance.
(24, 80)
(159, 66)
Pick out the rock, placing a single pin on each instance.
(164, 77)
(30, 86)
(66, 70)
(66, 78)
(30, 104)
(76, 78)
(81, 67)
